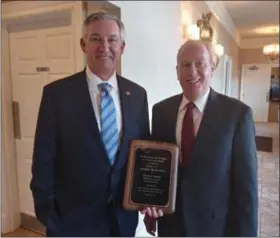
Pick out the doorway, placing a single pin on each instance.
(274, 96)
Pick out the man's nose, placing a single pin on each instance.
(192, 70)
(104, 45)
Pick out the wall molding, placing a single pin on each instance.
(10, 9)
(10, 197)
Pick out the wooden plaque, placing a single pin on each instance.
(151, 179)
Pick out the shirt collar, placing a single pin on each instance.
(200, 103)
(94, 80)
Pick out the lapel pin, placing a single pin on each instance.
(127, 93)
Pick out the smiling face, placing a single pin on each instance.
(194, 70)
(103, 47)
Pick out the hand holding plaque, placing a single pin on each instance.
(151, 176)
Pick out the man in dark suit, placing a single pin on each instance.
(217, 180)
(85, 124)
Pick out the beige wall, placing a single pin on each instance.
(251, 50)
(252, 56)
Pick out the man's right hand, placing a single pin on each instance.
(151, 226)
(151, 215)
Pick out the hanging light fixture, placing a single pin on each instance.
(271, 51)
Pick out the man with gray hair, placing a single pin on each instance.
(85, 124)
(217, 190)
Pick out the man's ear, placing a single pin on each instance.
(122, 47)
(83, 45)
(177, 70)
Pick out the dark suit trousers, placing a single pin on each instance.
(112, 220)
(173, 225)
(114, 230)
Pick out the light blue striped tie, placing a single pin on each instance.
(108, 122)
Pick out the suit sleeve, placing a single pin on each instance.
(145, 123)
(243, 217)
(42, 181)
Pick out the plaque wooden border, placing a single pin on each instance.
(128, 204)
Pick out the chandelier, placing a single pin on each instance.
(271, 51)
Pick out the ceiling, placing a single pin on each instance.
(254, 19)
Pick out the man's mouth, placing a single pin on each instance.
(103, 57)
(192, 80)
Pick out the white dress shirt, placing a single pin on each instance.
(197, 115)
(93, 81)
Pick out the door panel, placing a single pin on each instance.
(60, 51)
(24, 59)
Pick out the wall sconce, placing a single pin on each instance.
(271, 52)
(219, 50)
(206, 31)
(201, 31)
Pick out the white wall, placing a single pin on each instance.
(152, 41)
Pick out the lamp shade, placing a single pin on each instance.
(193, 32)
(271, 51)
(219, 50)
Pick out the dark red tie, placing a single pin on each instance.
(187, 136)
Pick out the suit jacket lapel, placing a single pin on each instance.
(125, 94)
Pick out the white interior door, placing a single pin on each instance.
(38, 56)
(255, 85)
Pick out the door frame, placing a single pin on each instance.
(227, 75)
(13, 13)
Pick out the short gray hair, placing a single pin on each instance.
(214, 59)
(103, 16)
